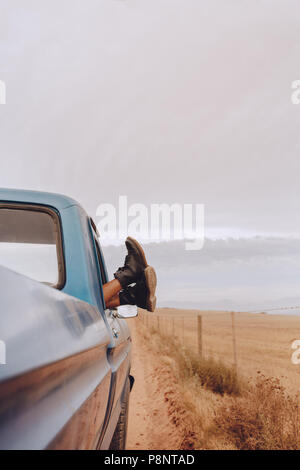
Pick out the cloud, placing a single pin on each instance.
(244, 273)
(164, 102)
(168, 101)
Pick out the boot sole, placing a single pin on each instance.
(151, 282)
(139, 248)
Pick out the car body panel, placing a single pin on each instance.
(80, 260)
(68, 358)
(56, 348)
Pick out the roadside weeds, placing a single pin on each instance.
(217, 410)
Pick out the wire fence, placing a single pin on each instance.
(245, 341)
(189, 331)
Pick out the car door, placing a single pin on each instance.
(118, 350)
(55, 386)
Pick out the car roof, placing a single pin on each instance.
(58, 201)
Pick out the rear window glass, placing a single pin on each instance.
(30, 243)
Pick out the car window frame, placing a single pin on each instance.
(99, 258)
(61, 265)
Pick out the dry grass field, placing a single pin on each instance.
(263, 341)
(200, 400)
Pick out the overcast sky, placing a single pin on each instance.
(160, 100)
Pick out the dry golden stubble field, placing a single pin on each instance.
(262, 341)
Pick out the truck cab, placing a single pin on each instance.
(65, 384)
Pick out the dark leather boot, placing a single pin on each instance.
(135, 263)
(142, 293)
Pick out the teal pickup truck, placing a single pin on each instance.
(66, 379)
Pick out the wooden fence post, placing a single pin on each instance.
(199, 329)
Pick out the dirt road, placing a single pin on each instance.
(154, 418)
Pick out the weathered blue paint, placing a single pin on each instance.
(41, 325)
(43, 329)
(80, 259)
(58, 201)
(64, 380)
